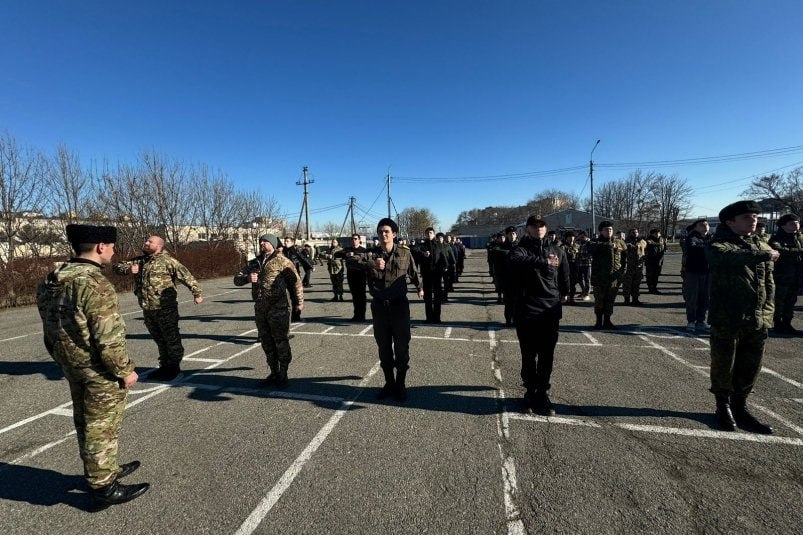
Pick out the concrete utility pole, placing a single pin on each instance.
(305, 206)
(387, 179)
(591, 180)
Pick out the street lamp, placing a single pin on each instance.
(591, 180)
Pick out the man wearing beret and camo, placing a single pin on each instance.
(609, 258)
(155, 286)
(85, 334)
(788, 272)
(740, 312)
(275, 288)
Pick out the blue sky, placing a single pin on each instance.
(452, 89)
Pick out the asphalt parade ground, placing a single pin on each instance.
(633, 448)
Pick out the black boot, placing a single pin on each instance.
(401, 389)
(281, 380)
(271, 379)
(627, 300)
(334, 298)
(117, 493)
(390, 384)
(165, 373)
(598, 324)
(723, 414)
(636, 302)
(542, 405)
(341, 297)
(744, 419)
(606, 322)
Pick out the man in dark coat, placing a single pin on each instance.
(539, 271)
(788, 272)
(355, 275)
(697, 281)
(431, 259)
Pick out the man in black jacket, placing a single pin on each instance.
(697, 279)
(431, 259)
(539, 271)
(355, 275)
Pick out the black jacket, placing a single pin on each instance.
(539, 286)
(696, 261)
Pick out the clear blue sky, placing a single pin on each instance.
(422, 88)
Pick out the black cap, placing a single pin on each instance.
(510, 229)
(388, 222)
(786, 218)
(604, 224)
(91, 234)
(440, 235)
(534, 221)
(738, 208)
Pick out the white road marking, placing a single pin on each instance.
(492, 338)
(62, 412)
(510, 485)
(448, 332)
(705, 433)
(18, 337)
(199, 359)
(553, 419)
(272, 497)
(34, 418)
(328, 329)
(594, 341)
(781, 377)
(365, 331)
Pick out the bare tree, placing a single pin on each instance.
(672, 196)
(785, 190)
(216, 204)
(167, 182)
(69, 188)
(413, 221)
(331, 230)
(21, 191)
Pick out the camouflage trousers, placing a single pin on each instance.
(631, 282)
(98, 406)
(337, 283)
(736, 359)
(273, 328)
(785, 299)
(604, 297)
(163, 326)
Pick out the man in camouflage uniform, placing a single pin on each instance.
(741, 310)
(571, 249)
(85, 334)
(388, 267)
(334, 264)
(788, 272)
(609, 260)
(631, 284)
(155, 286)
(654, 260)
(583, 265)
(761, 232)
(275, 288)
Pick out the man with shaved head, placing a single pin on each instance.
(155, 286)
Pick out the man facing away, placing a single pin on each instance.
(540, 272)
(742, 305)
(388, 267)
(155, 286)
(275, 288)
(85, 334)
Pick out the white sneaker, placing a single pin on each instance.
(586, 298)
(691, 327)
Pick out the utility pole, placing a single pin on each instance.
(352, 202)
(305, 205)
(591, 180)
(387, 178)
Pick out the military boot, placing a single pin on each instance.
(542, 405)
(401, 389)
(281, 379)
(116, 493)
(744, 419)
(636, 302)
(390, 384)
(165, 373)
(271, 379)
(334, 298)
(723, 414)
(627, 300)
(606, 322)
(598, 324)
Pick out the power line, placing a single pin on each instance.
(712, 159)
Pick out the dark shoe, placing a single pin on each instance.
(542, 405)
(401, 390)
(165, 373)
(598, 324)
(745, 420)
(116, 493)
(270, 380)
(390, 384)
(334, 299)
(627, 301)
(724, 415)
(636, 302)
(281, 380)
(341, 297)
(127, 469)
(606, 323)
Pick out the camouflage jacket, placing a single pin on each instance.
(571, 251)
(742, 285)
(609, 258)
(155, 284)
(636, 250)
(278, 283)
(334, 260)
(789, 267)
(82, 326)
(390, 284)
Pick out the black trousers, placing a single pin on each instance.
(433, 295)
(357, 284)
(392, 333)
(537, 340)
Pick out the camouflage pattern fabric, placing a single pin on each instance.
(604, 297)
(85, 334)
(788, 273)
(162, 324)
(273, 328)
(631, 282)
(334, 261)
(736, 359)
(609, 258)
(155, 284)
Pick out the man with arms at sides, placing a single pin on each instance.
(609, 261)
(355, 275)
(788, 272)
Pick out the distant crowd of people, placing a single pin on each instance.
(736, 284)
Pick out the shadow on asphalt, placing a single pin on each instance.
(49, 369)
(39, 486)
(704, 418)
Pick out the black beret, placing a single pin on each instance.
(510, 229)
(91, 234)
(738, 208)
(440, 235)
(786, 218)
(691, 227)
(604, 224)
(388, 222)
(534, 221)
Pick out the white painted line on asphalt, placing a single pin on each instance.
(62, 412)
(782, 377)
(295, 326)
(448, 332)
(796, 428)
(18, 337)
(39, 450)
(328, 329)
(365, 331)
(594, 341)
(33, 418)
(510, 485)
(705, 433)
(565, 420)
(272, 497)
(199, 359)
(798, 400)
(492, 338)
